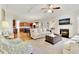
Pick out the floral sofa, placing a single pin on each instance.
(14, 47)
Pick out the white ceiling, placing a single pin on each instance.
(33, 11)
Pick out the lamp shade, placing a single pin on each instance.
(5, 24)
(34, 23)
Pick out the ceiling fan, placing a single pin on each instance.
(50, 8)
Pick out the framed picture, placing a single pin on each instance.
(64, 21)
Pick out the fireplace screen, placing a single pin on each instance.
(64, 33)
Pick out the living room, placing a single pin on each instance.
(38, 24)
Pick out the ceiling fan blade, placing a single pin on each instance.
(43, 8)
(45, 11)
(56, 8)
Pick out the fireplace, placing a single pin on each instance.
(64, 33)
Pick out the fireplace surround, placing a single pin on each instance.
(64, 33)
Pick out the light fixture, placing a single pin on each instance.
(5, 24)
(50, 8)
(50, 11)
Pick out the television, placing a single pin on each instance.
(64, 21)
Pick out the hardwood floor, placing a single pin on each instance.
(24, 36)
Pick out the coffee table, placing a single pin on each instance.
(53, 39)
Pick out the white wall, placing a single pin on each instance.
(0, 21)
(1, 17)
(77, 24)
(10, 21)
(72, 27)
(9, 17)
